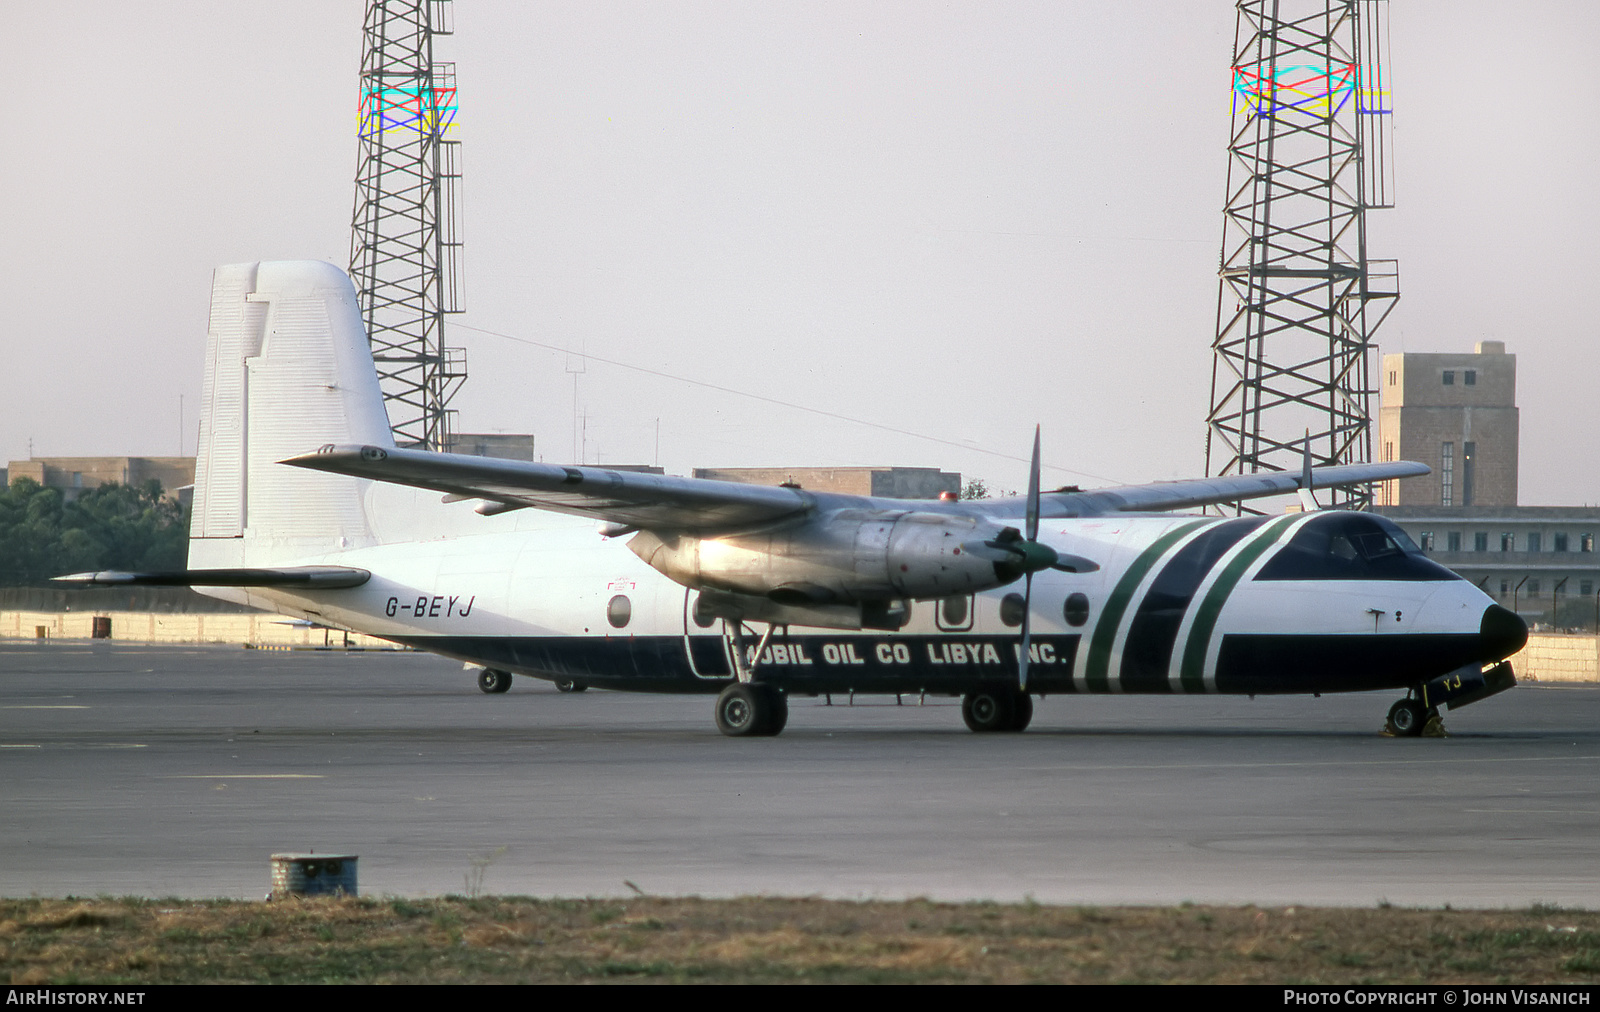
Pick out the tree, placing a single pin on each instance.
(110, 527)
(975, 488)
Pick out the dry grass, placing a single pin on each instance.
(508, 940)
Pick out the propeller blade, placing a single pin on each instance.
(1032, 531)
(1027, 633)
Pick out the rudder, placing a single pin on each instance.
(288, 369)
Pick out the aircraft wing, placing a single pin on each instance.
(697, 505)
(627, 498)
(1162, 496)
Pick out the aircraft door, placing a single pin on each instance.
(705, 640)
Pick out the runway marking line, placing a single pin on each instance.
(246, 776)
(19, 707)
(1340, 762)
(21, 746)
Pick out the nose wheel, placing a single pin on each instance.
(1408, 717)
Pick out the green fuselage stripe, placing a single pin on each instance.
(1096, 669)
(1192, 673)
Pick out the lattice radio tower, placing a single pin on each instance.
(405, 245)
(1299, 301)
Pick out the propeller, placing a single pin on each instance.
(1021, 554)
(1032, 551)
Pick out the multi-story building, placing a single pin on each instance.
(1458, 415)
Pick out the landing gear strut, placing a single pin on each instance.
(997, 710)
(1408, 717)
(751, 709)
(494, 681)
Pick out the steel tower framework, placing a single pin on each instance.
(1298, 300)
(404, 245)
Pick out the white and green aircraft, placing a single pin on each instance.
(592, 577)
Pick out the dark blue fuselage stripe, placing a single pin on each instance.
(1147, 654)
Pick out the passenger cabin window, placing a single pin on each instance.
(955, 613)
(1352, 546)
(1012, 608)
(618, 611)
(1076, 609)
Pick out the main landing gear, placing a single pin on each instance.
(997, 710)
(1409, 717)
(568, 685)
(494, 681)
(751, 709)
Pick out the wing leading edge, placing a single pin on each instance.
(1190, 493)
(627, 498)
(696, 505)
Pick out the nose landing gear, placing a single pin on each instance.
(1409, 718)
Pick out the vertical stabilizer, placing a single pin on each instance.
(288, 369)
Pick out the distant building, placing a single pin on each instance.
(1528, 558)
(71, 475)
(505, 445)
(1458, 415)
(890, 482)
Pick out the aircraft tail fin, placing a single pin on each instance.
(288, 369)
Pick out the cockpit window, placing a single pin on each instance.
(1352, 546)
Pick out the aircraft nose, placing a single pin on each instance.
(1502, 633)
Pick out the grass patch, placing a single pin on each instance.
(483, 939)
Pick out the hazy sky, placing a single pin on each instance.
(952, 219)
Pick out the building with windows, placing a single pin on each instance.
(72, 475)
(1539, 561)
(1458, 415)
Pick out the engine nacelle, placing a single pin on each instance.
(848, 556)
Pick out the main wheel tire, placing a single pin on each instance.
(568, 685)
(1024, 712)
(778, 717)
(990, 710)
(494, 681)
(1408, 717)
(749, 709)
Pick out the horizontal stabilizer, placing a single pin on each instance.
(319, 577)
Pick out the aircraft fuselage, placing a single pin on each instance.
(1300, 603)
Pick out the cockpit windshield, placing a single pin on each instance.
(1352, 546)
